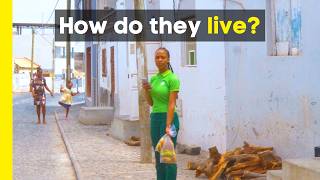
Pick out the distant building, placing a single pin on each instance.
(23, 65)
(48, 53)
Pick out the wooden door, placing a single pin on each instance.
(112, 75)
(88, 72)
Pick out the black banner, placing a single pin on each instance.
(160, 25)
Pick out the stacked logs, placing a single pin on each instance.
(247, 162)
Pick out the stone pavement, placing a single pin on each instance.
(38, 150)
(100, 156)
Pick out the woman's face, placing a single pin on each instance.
(39, 73)
(161, 59)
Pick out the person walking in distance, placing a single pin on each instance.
(38, 87)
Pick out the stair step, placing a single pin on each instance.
(297, 169)
(96, 115)
(274, 175)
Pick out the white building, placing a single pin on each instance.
(230, 92)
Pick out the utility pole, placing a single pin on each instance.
(146, 149)
(32, 56)
(32, 53)
(53, 66)
(68, 69)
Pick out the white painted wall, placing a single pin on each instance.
(133, 89)
(202, 88)
(60, 65)
(274, 101)
(202, 92)
(237, 92)
(123, 80)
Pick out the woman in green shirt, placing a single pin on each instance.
(161, 93)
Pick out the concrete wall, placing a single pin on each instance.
(273, 100)
(202, 88)
(202, 97)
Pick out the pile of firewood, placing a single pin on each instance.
(247, 162)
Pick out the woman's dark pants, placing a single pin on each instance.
(158, 127)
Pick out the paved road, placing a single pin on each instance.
(38, 150)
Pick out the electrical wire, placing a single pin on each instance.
(42, 36)
(53, 11)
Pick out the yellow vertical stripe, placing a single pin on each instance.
(6, 91)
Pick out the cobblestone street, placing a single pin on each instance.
(40, 153)
(38, 150)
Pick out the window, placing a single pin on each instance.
(60, 52)
(285, 19)
(189, 48)
(104, 64)
(189, 55)
(192, 57)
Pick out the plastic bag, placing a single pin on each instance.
(173, 131)
(165, 147)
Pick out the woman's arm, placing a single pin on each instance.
(147, 88)
(48, 90)
(32, 92)
(148, 97)
(32, 89)
(171, 107)
(73, 94)
(46, 87)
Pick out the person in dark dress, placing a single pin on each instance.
(38, 86)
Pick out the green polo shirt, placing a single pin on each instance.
(161, 86)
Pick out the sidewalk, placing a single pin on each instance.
(98, 156)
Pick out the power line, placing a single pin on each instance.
(42, 36)
(53, 11)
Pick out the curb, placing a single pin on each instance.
(73, 104)
(74, 162)
(78, 103)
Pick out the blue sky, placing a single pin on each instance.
(35, 11)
